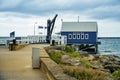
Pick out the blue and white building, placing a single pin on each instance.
(80, 32)
(60, 40)
(81, 35)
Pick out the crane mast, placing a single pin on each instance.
(50, 26)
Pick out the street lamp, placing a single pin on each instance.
(34, 27)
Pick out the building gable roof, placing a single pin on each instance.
(79, 26)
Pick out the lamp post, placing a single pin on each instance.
(34, 27)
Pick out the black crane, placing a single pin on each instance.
(50, 26)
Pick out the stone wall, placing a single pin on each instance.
(52, 69)
(13, 47)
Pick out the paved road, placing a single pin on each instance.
(16, 65)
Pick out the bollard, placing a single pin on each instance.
(35, 58)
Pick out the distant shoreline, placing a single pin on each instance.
(108, 37)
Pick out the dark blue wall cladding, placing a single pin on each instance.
(85, 37)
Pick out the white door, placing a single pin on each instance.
(35, 57)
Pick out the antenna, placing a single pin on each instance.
(61, 20)
(78, 18)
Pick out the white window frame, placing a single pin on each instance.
(79, 36)
(86, 36)
(82, 35)
(74, 36)
(69, 36)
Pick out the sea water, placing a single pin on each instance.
(109, 46)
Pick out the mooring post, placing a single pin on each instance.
(96, 48)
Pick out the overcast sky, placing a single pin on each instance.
(22, 15)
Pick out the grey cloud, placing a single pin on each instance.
(105, 12)
(97, 9)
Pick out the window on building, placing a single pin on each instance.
(78, 36)
(70, 36)
(82, 36)
(86, 36)
(74, 36)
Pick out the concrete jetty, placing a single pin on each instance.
(17, 65)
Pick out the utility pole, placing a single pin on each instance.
(34, 27)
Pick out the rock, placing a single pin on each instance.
(104, 70)
(117, 59)
(104, 58)
(112, 62)
(65, 59)
(57, 51)
(117, 62)
(83, 53)
(96, 65)
(108, 63)
(112, 67)
(90, 57)
(59, 48)
(75, 61)
(112, 58)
